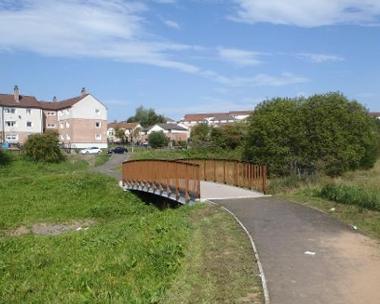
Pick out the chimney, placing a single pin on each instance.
(83, 92)
(16, 94)
(55, 99)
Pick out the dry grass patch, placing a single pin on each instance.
(219, 265)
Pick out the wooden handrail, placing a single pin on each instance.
(232, 172)
(180, 179)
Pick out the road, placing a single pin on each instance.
(113, 166)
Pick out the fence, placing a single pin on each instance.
(232, 172)
(174, 179)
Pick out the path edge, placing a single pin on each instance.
(254, 248)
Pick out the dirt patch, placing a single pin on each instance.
(359, 258)
(51, 229)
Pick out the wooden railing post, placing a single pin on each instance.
(224, 171)
(176, 183)
(198, 181)
(204, 170)
(187, 178)
(214, 161)
(264, 179)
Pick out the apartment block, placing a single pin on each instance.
(81, 121)
(20, 116)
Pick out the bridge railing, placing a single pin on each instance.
(174, 179)
(232, 172)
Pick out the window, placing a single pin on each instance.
(29, 124)
(51, 113)
(59, 113)
(98, 137)
(9, 110)
(28, 111)
(51, 125)
(10, 123)
(11, 137)
(68, 137)
(61, 137)
(97, 111)
(98, 124)
(61, 125)
(67, 124)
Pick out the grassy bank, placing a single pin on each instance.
(219, 267)
(352, 198)
(190, 153)
(120, 250)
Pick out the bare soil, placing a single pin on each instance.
(359, 256)
(51, 228)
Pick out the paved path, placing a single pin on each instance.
(113, 166)
(345, 267)
(210, 191)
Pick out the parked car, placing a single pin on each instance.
(118, 150)
(92, 150)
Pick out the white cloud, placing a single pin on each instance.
(172, 24)
(239, 57)
(110, 29)
(258, 80)
(320, 58)
(308, 13)
(95, 28)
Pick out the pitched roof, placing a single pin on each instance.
(59, 105)
(240, 112)
(198, 117)
(216, 116)
(222, 116)
(123, 125)
(172, 126)
(375, 114)
(24, 101)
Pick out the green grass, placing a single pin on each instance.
(219, 267)
(102, 158)
(354, 196)
(133, 253)
(190, 153)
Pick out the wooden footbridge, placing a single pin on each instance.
(180, 180)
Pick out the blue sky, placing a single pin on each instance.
(184, 56)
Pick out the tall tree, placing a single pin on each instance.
(146, 117)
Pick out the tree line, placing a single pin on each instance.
(324, 133)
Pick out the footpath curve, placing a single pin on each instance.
(309, 257)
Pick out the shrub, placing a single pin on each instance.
(351, 195)
(4, 158)
(158, 140)
(44, 148)
(200, 135)
(325, 133)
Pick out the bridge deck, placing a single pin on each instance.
(210, 190)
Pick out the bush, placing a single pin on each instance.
(228, 136)
(158, 140)
(324, 133)
(351, 195)
(44, 148)
(4, 158)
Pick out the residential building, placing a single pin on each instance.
(214, 119)
(132, 131)
(375, 114)
(174, 132)
(81, 121)
(20, 116)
